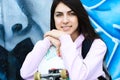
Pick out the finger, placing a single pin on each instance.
(49, 33)
(55, 33)
(54, 41)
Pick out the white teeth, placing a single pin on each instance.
(65, 28)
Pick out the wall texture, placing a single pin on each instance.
(28, 20)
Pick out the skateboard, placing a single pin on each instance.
(54, 74)
(51, 67)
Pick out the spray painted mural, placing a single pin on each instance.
(104, 15)
(23, 23)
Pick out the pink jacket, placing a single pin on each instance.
(78, 68)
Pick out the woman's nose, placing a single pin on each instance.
(65, 19)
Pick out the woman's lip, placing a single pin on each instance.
(66, 28)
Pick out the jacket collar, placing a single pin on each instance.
(79, 40)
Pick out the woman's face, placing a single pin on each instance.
(66, 20)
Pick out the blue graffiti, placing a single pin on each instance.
(106, 21)
(21, 19)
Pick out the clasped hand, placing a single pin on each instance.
(53, 36)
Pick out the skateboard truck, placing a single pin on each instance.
(54, 74)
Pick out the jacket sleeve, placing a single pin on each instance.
(79, 68)
(32, 60)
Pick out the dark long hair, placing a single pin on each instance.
(84, 26)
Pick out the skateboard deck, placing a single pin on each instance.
(51, 67)
(54, 74)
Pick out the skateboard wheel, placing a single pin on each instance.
(37, 75)
(64, 74)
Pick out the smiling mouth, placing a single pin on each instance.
(66, 28)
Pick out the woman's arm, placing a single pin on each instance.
(82, 69)
(33, 59)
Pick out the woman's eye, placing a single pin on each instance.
(72, 13)
(58, 15)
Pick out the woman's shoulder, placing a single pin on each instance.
(99, 42)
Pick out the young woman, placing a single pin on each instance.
(70, 26)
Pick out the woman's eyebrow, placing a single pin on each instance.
(62, 12)
(58, 12)
(71, 11)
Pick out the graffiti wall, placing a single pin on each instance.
(104, 15)
(23, 23)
